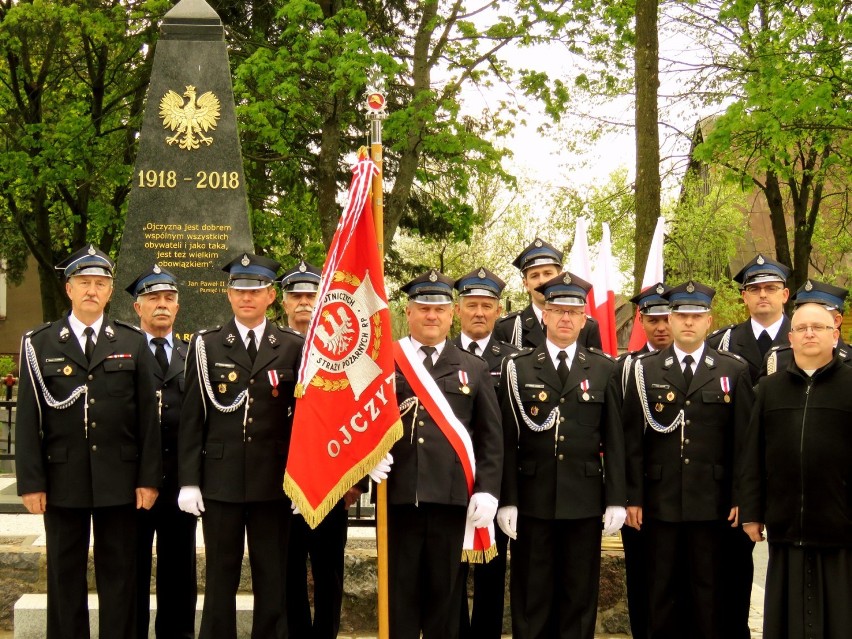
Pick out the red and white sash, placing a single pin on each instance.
(479, 544)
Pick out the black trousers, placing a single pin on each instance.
(555, 579)
(424, 558)
(489, 591)
(325, 545)
(227, 527)
(67, 532)
(738, 576)
(684, 563)
(176, 582)
(637, 580)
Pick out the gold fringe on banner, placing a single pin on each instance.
(312, 516)
(479, 556)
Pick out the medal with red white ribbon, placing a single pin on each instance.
(584, 386)
(725, 383)
(273, 381)
(464, 388)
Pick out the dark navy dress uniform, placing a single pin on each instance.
(485, 620)
(427, 490)
(233, 442)
(680, 446)
(175, 530)
(89, 455)
(740, 339)
(554, 474)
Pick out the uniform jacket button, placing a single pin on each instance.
(420, 440)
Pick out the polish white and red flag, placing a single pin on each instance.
(653, 274)
(347, 416)
(600, 302)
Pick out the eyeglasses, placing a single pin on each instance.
(769, 289)
(816, 328)
(572, 313)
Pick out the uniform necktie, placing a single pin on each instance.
(252, 347)
(562, 369)
(472, 347)
(90, 342)
(160, 353)
(764, 343)
(427, 361)
(687, 370)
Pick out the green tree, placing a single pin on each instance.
(74, 76)
(788, 66)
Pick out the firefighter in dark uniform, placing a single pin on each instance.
(478, 307)
(763, 287)
(326, 543)
(833, 298)
(683, 409)
(538, 263)
(428, 501)
(654, 317)
(560, 407)
(88, 449)
(156, 295)
(233, 444)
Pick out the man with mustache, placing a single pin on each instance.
(326, 543)
(87, 451)
(156, 295)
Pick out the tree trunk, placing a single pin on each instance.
(647, 134)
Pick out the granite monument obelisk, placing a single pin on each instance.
(188, 210)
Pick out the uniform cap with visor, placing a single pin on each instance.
(480, 282)
(566, 289)
(87, 261)
(651, 300)
(154, 279)
(302, 278)
(690, 297)
(248, 271)
(433, 287)
(762, 270)
(538, 253)
(828, 295)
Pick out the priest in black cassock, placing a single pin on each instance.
(795, 480)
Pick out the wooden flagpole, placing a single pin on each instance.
(376, 113)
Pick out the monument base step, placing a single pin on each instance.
(31, 615)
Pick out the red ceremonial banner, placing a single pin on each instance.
(347, 417)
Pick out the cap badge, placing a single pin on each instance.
(91, 250)
(157, 269)
(809, 286)
(245, 261)
(567, 278)
(660, 289)
(760, 260)
(690, 288)
(433, 276)
(302, 267)
(481, 272)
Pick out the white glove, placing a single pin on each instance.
(380, 472)
(481, 509)
(507, 519)
(614, 519)
(295, 508)
(190, 501)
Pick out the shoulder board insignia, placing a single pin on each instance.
(731, 355)
(119, 322)
(719, 331)
(843, 353)
(638, 355)
(509, 316)
(212, 329)
(598, 351)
